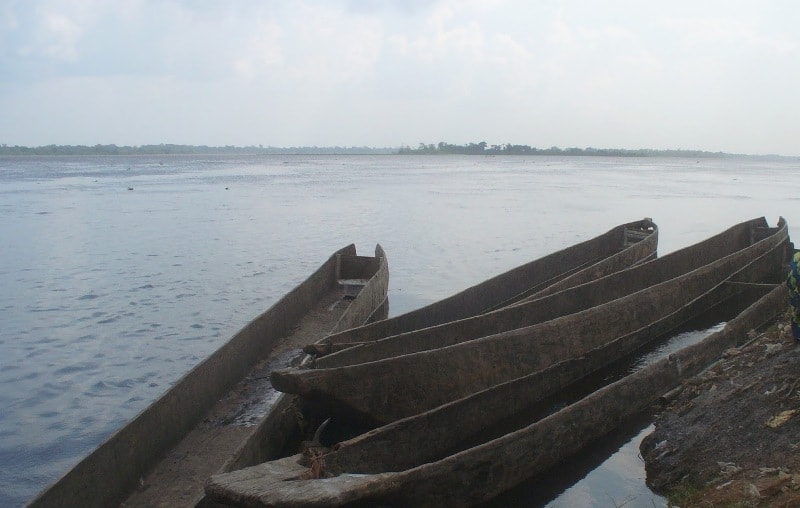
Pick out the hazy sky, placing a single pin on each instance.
(710, 75)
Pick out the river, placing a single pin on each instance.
(119, 274)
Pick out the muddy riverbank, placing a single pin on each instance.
(732, 435)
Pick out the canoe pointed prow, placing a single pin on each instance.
(285, 380)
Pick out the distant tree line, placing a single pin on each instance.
(483, 148)
(170, 149)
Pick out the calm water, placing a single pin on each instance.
(108, 295)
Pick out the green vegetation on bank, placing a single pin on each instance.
(483, 148)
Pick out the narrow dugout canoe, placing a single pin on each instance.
(347, 290)
(619, 248)
(479, 473)
(550, 303)
(397, 387)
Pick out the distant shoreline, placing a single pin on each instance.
(423, 149)
(170, 149)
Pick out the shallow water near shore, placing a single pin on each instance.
(109, 295)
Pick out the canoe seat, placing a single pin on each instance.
(352, 286)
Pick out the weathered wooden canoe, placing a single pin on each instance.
(347, 290)
(619, 248)
(479, 473)
(548, 304)
(397, 387)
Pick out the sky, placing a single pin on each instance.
(697, 74)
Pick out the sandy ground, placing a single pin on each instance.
(732, 436)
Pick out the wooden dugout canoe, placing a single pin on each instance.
(397, 387)
(347, 290)
(549, 304)
(619, 248)
(479, 473)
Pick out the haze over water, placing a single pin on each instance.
(109, 295)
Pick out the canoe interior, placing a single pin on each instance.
(116, 467)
